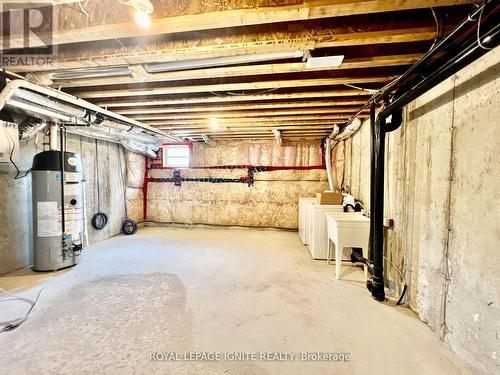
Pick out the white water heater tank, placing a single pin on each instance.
(57, 210)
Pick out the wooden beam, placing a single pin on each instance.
(334, 119)
(346, 111)
(235, 98)
(259, 85)
(207, 130)
(266, 136)
(256, 131)
(235, 107)
(243, 70)
(413, 34)
(282, 125)
(168, 52)
(312, 9)
(261, 134)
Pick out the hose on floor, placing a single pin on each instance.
(9, 325)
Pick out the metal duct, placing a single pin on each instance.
(91, 73)
(30, 127)
(107, 130)
(221, 61)
(66, 109)
(140, 148)
(328, 161)
(112, 135)
(12, 87)
(81, 117)
(346, 132)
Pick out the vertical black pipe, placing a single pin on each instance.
(377, 206)
(61, 142)
(467, 52)
(372, 174)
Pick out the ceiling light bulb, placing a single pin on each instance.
(142, 19)
(214, 124)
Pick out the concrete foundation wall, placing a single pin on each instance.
(442, 187)
(271, 202)
(15, 201)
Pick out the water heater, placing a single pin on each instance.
(57, 210)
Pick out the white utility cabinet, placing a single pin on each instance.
(347, 229)
(313, 230)
(305, 204)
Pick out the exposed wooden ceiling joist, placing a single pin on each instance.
(341, 111)
(261, 85)
(86, 59)
(265, 136)
(235, 98)
(236, 107)
(181, 131)
(303, 117)
(282, 126)
(244, 70)
(272, 45)
(254, 132)
(205, 129)
(313, 9)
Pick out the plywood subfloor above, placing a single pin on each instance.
(378, 39)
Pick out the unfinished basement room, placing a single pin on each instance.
(237, 187)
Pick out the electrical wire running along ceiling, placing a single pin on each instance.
(206, 71)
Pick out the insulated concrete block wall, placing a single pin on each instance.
(271, 202)
(338, 166)
(356, 170)
(442, 188)
(257, 153)
(136, 165)
(15, 202)
(15, 212)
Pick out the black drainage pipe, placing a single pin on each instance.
(376, 284)
(372, 173)
(468, 52)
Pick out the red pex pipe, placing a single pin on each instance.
(266, 168)
(145, 190)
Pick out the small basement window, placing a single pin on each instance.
(176, 156)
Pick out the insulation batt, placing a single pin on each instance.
(271, 202)
(135, 169)
(135, 203)
(136, 165)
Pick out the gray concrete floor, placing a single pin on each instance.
(210, 290)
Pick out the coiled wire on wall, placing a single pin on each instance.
(129, 226)
(100, 219)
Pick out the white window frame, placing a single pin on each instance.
(171, 164)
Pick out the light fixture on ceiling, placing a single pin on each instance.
(324, 62)
(143, 72)
(142, 19)
(214, 124)
(222, 61)
(143, 8)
